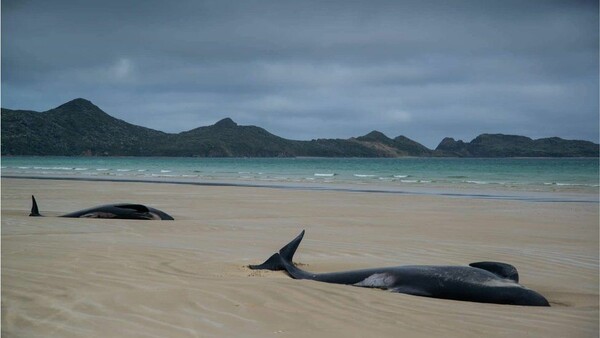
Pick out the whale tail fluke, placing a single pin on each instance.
(34, 207)
(286, 253)
(273, 263)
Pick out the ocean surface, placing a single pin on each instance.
(508, 174)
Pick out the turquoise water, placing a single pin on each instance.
(536, 174)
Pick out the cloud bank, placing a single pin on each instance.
(312, 69)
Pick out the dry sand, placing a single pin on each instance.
(187, 278)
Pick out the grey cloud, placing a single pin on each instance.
(310, 69)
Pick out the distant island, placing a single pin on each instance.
(80, 128)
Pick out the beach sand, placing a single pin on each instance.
(187, 278)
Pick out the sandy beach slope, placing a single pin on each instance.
(187, 278)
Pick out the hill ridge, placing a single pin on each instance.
(78, 127)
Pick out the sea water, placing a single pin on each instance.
(530, 174)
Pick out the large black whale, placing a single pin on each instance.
(118, 211)
(484, 282)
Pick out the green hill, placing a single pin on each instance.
(499, 145)
(80, 128)
(77, 127)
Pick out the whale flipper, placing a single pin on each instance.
(411, 290)
(502, 270)
(34, 207)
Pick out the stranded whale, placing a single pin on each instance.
(485, 282)
(119, 211)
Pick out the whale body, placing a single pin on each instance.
(116, 211)
(485, 282)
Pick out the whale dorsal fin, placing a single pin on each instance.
(499, 269)
(136, 207)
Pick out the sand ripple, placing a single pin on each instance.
(104, 278)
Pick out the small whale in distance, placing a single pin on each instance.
(115, 211)
(484, 282)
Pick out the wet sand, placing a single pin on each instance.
(187, 278)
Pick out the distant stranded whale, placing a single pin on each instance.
(484, 282)
(117, 211)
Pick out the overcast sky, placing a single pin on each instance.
(313, 69)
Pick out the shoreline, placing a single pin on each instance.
(453, 192)
(473, 176)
